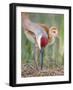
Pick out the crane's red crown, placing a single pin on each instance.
(44, 41)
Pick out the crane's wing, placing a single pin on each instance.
(33, 30)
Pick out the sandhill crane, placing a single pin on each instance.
(39, 34)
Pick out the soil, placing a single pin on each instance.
(30, 71)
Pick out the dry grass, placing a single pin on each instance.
(31, 71)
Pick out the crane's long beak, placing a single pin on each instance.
(41, 57)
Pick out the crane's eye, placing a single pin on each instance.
(54, 31)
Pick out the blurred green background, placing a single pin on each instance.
(54, 54)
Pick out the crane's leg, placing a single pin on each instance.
(41, 57)
(36, 56)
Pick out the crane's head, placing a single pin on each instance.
(44, 41)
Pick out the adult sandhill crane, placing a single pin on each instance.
(39, 34)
